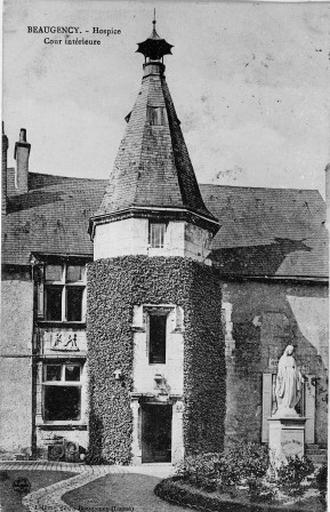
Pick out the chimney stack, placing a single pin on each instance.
(21, 155)
(4, 171)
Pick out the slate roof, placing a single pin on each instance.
(152, 167)
(51, 218)
(269, 232)
(265, 232)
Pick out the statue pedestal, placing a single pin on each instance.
(286, 437)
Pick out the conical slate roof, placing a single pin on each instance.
(153, 168)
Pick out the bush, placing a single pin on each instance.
(291, 473)
(200, 470)
(244, 463)
(241, 463)
(172, 490)
(321, 480)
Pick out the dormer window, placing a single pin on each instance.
(156, 116)
(157, 232)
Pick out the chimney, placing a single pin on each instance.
(4, 146)
(21, 155)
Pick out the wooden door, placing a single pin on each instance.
(156, 433)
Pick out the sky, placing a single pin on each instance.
(250, 83)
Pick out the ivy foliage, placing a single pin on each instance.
(114, 286)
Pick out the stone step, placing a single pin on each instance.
(317, 459)
(317, 454)
(316, 450)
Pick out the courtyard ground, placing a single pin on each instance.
(123, 490)
(92, 486)
(11, 500)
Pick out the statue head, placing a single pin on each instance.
(289, 350)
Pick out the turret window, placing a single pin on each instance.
(156, 116)
(157, 339)
(157, 231)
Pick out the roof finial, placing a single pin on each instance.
(154, 34)
(155, 47)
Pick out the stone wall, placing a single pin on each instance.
(130, 237)
(16, 362)
(172, 370)
(260, 320)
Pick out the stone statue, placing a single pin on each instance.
(289, 383)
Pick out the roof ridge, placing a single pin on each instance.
(260, 188)
(143, 137)
(34, 173)
(201, 184)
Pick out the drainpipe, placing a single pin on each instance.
(34, 262)
(327, 194)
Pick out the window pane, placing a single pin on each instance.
(54, 273)
(54, 302)
(62, 403)
(74, 273)
(157, 234)
(156, 115)
(157, 339)
(72, 372)
(74, 303)
(53, 372)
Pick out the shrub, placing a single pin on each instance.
(321, 480)
(244, 462)
(200, 470)
(291, 473)
(241, 463)
(172, 490)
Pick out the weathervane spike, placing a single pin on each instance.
(154, 20)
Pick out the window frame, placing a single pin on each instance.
(64, 285)
(156, 115)
(62, 383)
(165, 315)
(151, 235)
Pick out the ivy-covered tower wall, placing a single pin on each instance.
(155, 349)
(115, 287)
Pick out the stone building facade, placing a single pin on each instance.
(143, 317)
